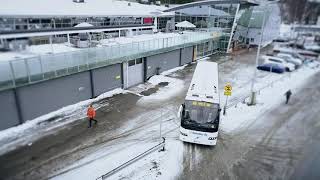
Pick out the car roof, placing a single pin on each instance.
(272, 57)
(284, 54)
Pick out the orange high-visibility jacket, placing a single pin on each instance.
(91, 113)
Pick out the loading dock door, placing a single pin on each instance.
(135, 72)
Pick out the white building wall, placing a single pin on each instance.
(240, 31)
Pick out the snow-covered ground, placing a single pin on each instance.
(242, 115)
(168, 164)
(23, 134)
(174, 87)
(158, 165)
(138, 38)
(44, 49)
(50, 49)
(47, 58)
(286, 31)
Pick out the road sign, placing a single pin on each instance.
(227, 89)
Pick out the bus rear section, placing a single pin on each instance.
(200, 113)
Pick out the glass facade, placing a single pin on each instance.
(214, 18)
(9, 24)
(205, 49)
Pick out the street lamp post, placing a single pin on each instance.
(253, 93)
(155, 23)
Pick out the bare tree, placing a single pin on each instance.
(299, 10)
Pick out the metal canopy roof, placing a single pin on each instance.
(212, 2)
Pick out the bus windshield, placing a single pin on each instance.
(201, 114)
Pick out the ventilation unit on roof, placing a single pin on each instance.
(78, 1)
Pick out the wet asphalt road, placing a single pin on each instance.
(284, 143)
(279, 149)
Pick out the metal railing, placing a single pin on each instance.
(242, 98)
(117, 169)
(38, 68)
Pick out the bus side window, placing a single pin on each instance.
(187, 115)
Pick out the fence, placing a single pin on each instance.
(235, 101)
(38, 68)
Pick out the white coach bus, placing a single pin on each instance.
(200, 113)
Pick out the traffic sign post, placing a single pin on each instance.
(227, 89)
(227, 92)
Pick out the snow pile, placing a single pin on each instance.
(286, 31)
(137, 38)
(157, 165)
(164, 165)
(36, 50)
(242, 115)
(12, 55)
(165, 73)
(54, 48)
(18, 134)
(45, 49)
(104, 161)
(174, 87)
(138, 135)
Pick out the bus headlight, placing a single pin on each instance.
(183, 134)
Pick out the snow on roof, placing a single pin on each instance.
(83, 24)
(204, 84)
(70, 8)
(185, 24)
(203, 10)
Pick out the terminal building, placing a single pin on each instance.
(253, 20)
(56, 53)
(43, 20)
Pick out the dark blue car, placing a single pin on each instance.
(272, 67)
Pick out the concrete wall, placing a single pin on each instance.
(44, 97)
(186, 55)
(165, 61)
(9, 114)
(106, 78)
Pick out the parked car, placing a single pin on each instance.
(276, 60)
(272, 67)
(307, 55)
(289, 58)
(295, 55)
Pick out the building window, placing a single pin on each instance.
(131, 63)
(139, 61)
(251, 39)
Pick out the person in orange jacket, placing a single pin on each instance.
(91, 113)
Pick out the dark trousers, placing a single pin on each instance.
(90, 122)
(287, 100)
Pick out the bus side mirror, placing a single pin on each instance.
(180, 111)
